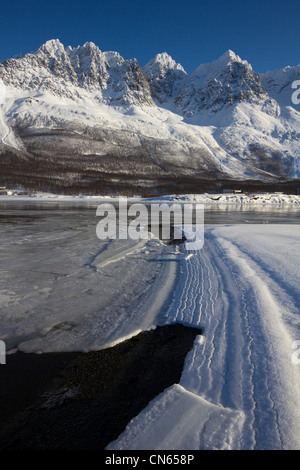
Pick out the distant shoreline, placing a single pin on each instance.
(249, 198)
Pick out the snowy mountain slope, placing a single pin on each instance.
(261, 140)
(278, 84)
(6, 134)
(221, 83)
(93, 121)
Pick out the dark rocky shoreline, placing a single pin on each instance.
(83, 401)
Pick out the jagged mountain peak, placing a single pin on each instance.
(72, 72)
(234, 129)
(87, 48)
(114, 58)
(164, 60)
(230, 56)
(90, 45)
(224, 61)
(221, 83)
(165, 77)
(53, 47)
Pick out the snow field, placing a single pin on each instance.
(240, 370)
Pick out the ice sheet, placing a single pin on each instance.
(63, 289)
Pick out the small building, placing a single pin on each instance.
(232, 191)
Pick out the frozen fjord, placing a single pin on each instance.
(63, 289)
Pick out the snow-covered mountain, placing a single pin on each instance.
(165, 77)
(220, 84)
(71, 72)
(278, 84)
(83, 119)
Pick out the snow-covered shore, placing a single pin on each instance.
(240, 386)
(205, 198)
(237, 198)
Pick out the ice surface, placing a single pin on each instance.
(63, 289)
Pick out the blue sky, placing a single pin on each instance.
(266, 33)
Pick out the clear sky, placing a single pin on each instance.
(265, 32)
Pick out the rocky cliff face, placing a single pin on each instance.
(71, 72)
(82, 119)
(165, 77)
(221, 84)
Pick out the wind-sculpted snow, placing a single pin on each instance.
(198, 425)
(239, 388)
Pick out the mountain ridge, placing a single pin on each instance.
(91, 119)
